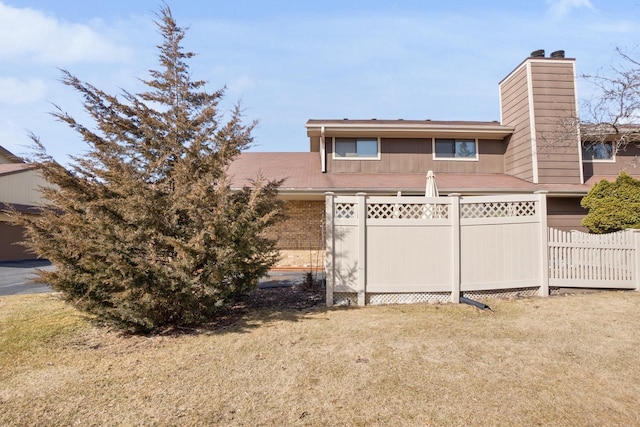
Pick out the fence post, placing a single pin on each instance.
(544, 243)
(636, 234)
(329, 261)
(362, 247)
(455, 236)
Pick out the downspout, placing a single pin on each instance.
(323, 154)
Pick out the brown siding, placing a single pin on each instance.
(552, 97)
(626, 160)
(565, 213)
(314, 143)
(10, 250)
(415, 155)
(554, 109)
(515, 112)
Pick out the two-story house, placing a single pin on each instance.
(535, 146)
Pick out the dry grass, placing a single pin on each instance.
(558, 361)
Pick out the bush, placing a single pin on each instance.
(613, 206)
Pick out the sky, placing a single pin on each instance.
(287, 61)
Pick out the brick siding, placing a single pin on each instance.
(301, 236)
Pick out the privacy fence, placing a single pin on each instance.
(411, 249)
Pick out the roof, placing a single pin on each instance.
(10, 168)
(301, 174)
(8, 154)
(407, 128)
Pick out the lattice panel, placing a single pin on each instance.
(408, 298)
(406, 211)
(503, 293)
(497, 209)
(346, 211)
(345, 298)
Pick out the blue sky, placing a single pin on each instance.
(290, 61)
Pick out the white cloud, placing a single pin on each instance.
(558, 9)
(30, 35)
(15, 91)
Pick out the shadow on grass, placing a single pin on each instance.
(258, 308)
(252, 311)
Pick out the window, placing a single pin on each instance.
(597, 151)
(456, 149)
(360, 148)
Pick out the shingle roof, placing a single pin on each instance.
(9, 168)
(301, 174)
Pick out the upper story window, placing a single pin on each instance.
(357, 148)
(597, 152)
(455, 149)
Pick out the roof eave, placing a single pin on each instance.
(407, 130)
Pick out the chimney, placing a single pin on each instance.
(538, 98)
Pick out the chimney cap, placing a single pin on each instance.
(538, 53)
(557, 54)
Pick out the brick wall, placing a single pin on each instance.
(301, 236)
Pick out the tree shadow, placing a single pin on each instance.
(263, 306)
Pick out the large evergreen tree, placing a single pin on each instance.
(613, 206)
(144, 230)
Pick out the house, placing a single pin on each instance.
(19, 188)
(535, 146)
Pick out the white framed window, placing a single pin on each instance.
(597, 152)
(455, 149)
(356, 148)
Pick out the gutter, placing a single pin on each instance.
(491, 131)
(323, 151)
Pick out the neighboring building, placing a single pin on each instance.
(19, 188)
(535, 146)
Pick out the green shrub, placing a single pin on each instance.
(613, 206)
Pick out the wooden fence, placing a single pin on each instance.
(408, 249)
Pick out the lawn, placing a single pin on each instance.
(563, 360)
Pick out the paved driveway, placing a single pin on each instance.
(16, 277)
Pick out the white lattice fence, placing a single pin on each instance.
(498, 209)
(409, 249)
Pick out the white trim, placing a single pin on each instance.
(500, 103)
(323, 151)
(611, 160)
(455, 159)
(351, 158)
(532, 125)
(577, 118)
(601, 160)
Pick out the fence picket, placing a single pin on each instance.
(591, 260)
